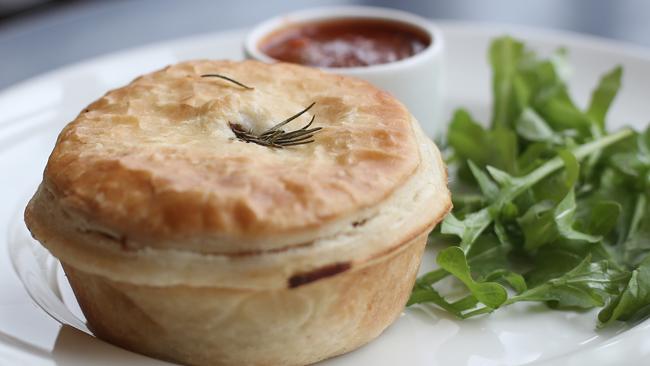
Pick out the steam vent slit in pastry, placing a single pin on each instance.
(239, 213)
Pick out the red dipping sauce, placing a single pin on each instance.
(345, 42)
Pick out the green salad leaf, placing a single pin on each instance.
(634, 300)
(453, 260)
(603, 96)
(549, 206)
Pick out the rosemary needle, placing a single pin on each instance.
(276, 137)
(272, 129)
(227, 79)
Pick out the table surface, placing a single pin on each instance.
(61, 34)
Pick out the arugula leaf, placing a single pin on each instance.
(533, 156)
(505, 54)
(565, 219)
(584, 286)
(556, 186)
(635, 164)
(426, 294)
(562, 114)
(513, 279)
(453, 261)
(603, 96)
(467, 137)
(538, 226)
(489, 189)
(553, 261)
(487, 256)
(469, 141)
(604, 215)
(467, 229)
(634, 301)
(532, 127)
(637, 245)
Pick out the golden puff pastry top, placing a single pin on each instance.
(155, 163)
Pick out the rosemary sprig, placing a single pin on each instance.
(227, 79)
(275, 136)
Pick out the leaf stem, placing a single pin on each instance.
(432, 277)
(579, 152)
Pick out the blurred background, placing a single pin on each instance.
(40, 35)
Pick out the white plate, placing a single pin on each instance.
(33, 112)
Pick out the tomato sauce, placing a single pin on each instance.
(345, 42)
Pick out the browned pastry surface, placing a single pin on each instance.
(156, 164)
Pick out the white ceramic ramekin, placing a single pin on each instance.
(416, 81)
